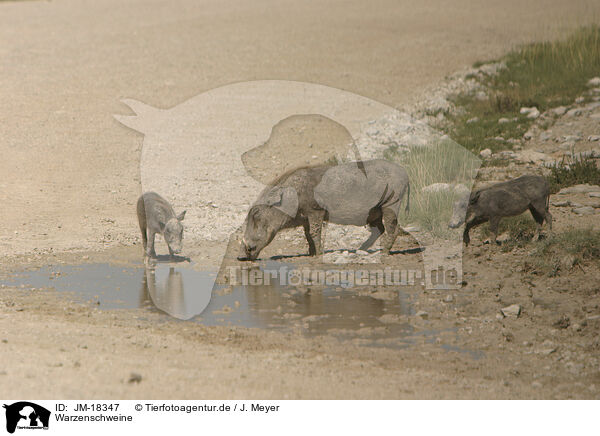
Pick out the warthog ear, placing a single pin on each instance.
(284, 199)
(181, 216)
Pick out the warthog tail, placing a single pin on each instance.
(407, 208)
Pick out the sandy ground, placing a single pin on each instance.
(71, 178)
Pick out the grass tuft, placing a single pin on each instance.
(562, 251)
(543, 74)
(443, 162)
(579, 170)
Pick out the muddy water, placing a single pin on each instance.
(180, 291)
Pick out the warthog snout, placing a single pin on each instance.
(247, 252)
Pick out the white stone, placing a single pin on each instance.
(437, 187)
(585, 210)
(594, 82)
(559, 111)
(487, 153)
(531, 156)
(461, 189)
(579, 189)
(513, 311)
(422, 314)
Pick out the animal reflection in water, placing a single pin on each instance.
(266, 306)
(165, 287)
(320, 309)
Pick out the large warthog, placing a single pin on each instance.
(504, 199)
(355, 193)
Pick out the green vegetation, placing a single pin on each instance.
(573, 172)
(520, 229)
(544, 75)
(444, 162)
(563, 251)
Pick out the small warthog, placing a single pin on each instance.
(501, 200)
(355, 193)
(156, 215)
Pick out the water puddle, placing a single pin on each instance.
(185, 293)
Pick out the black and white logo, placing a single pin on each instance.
(26, 415)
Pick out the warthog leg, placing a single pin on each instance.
(311, 242)
(315, 226)
(376, 231)
(469, 225)
(539, 213)
(494, 221)
(390, 222)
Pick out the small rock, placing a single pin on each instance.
(594, 82)
(568, 261)
(572, 138)
(389, 318)
(593, 138)
(481, 96)
(422, 314)
(134, 378)
(486, 153)
(448, 298)
(503, 121)
(564, 203)
(504, 237)
(527, 110)
(594, 194)
(508, 336)
(585, 210)
(531, 156)
(574, 112)
(437, 187)
(513, 311)
(559, 111)
(472, 120)
(579, 100)
(461, 189)
(579, 189)
(562, 323)
(531, 112)
(528, 135)
(545, 136)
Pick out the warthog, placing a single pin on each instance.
(155, 215)
(501, 200)
(355, 193)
